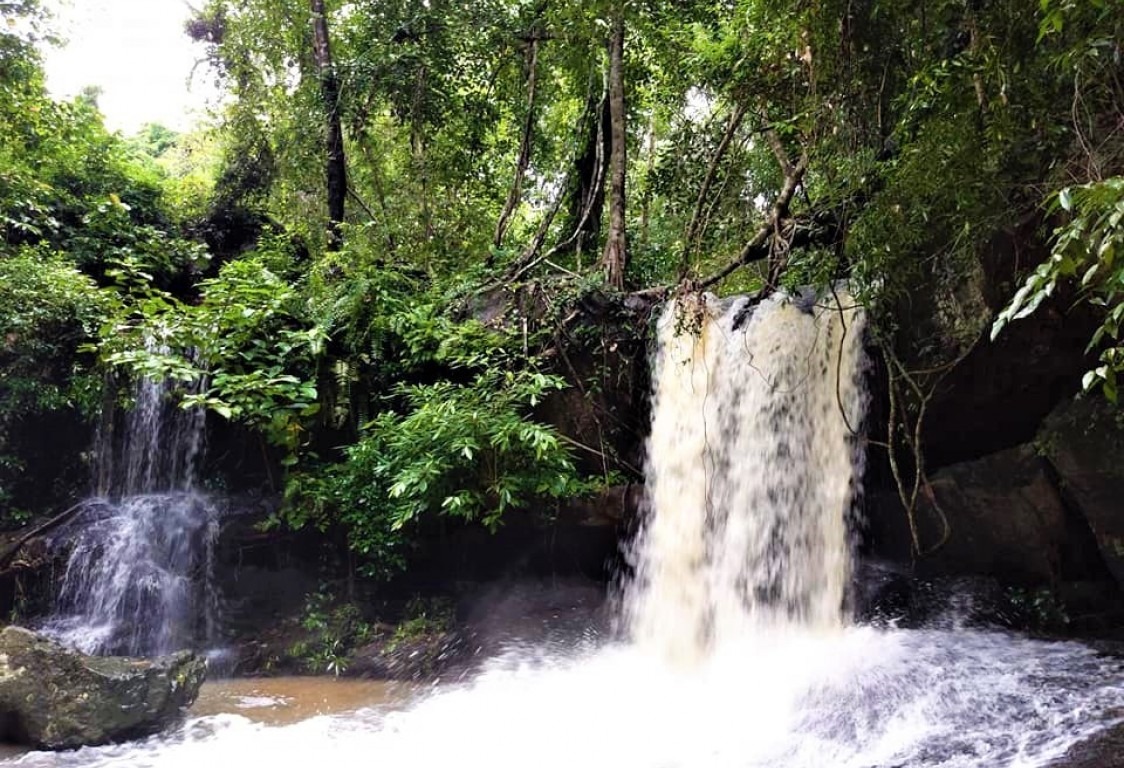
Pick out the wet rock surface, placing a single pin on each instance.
(55, 698)
(1084, 441)
(1029, 533)
(1005, 518)
(1105, 750)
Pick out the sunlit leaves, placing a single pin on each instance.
(243, 340)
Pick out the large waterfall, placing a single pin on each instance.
(753, 464)
(138, 577)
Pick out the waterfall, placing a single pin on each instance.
(753, 465)
(138, 580)
(740, 654)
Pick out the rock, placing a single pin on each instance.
(616, 505)
(1084, 442)
(1104, 750)
(55, 698)
(998, 395)
(1006, 520)
(1011, 527)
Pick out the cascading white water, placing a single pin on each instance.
(138, 578)
(739, 653)
(753, 465)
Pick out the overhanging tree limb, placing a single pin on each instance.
(56, 521)
(763, 243)
(694, 227)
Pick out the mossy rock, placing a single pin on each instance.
(52, 697)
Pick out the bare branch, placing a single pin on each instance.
(774, 142)
(524, 158)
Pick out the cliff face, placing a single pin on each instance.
(1019, 472)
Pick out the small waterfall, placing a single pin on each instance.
(158, 447)
(139, 576)
(753, 466)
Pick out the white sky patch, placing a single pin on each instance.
(137, 52)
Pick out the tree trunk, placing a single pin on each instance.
(587, 199)
(330, 94)
(646, 198)
(615, 259)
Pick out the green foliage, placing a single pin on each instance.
(423, 619)
(1037, 609)
(47, 310)
(243, 341)
(334, 630)
(462, 446)
(461, 450)
(929, 128)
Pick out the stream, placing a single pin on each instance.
(856, 698)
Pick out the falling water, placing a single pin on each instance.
(138, 579)
(753, 466)
(739, 653)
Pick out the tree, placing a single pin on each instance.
(615, 258)
(336, 166)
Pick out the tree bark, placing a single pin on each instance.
(615, 258)
(763, 245)
(336, 166)
(587, 199)
(650, 170)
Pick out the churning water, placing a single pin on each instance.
(138, 577)
(736, 651)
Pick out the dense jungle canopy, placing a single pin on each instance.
(376, 262)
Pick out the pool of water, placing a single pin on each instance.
(856, 698)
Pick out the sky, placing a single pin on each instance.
(137, 53)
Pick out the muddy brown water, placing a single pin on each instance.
(287, 700)
(283, 700)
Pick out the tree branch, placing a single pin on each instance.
(762, 245)
(524, 158)
(694, 226)
(39, 530)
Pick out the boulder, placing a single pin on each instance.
(1102, 750)
(1006, 520)
(55, 698)
(996, 397)
(1084, 441)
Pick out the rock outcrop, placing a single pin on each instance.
(55, 698)
(1084, 441)
(1006, 519)
(1039, 523)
